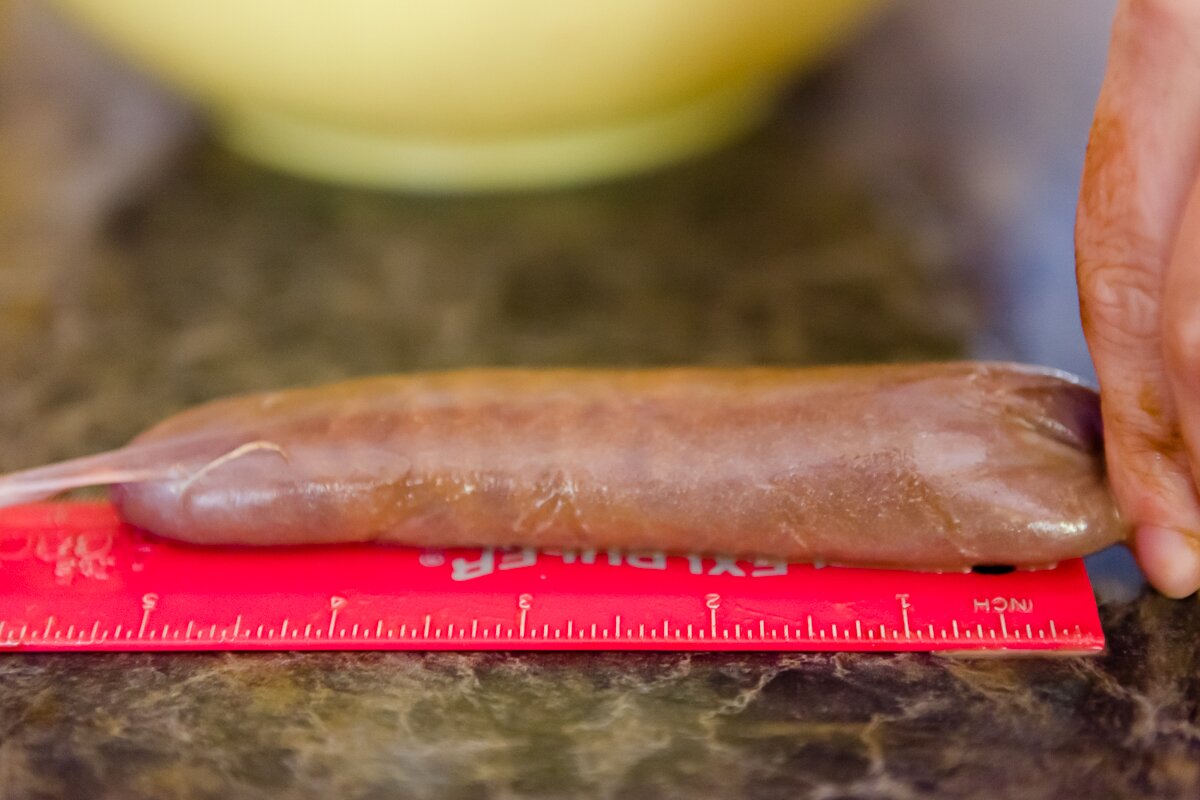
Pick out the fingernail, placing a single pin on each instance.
(1170, 559)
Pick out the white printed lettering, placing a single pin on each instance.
(726, 565)
(764, 567)
(646, 560)
(525, 557)
(462, 569)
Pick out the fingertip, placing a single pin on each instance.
(1170, 559)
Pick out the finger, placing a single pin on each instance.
(1177, 559)
(1143, 151)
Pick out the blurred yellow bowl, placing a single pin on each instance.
(471, 94)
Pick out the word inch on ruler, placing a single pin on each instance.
(74, 578)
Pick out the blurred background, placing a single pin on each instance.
(909, 196)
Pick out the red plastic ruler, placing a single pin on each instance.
(74, 578)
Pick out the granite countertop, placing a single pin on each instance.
(142, 269)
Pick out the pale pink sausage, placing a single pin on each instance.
(933, 466)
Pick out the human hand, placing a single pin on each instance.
(1138, 269)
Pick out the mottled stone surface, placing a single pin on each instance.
(142, 270)
(613, 725)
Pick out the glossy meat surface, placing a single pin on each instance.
(931, 466)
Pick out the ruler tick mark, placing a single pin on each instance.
(904, 607)
(524, 602)
(333, 615)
